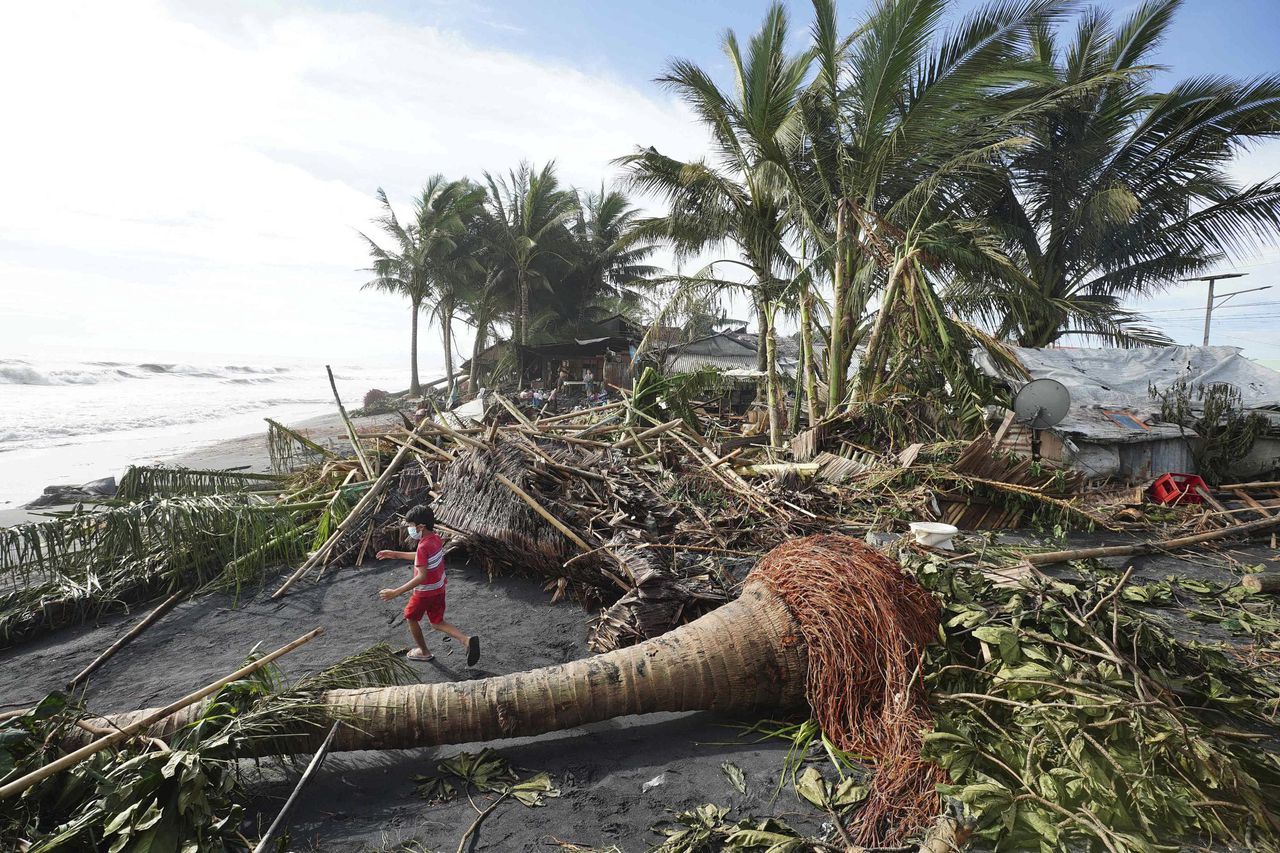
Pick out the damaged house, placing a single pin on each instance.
(1113, 428)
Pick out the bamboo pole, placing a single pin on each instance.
(303, 440)
(765, 469)
(351, 430)
(1246, 529)
(419, 443)
(542, 511)
(515, 412)
(442, 426)
(71, 759)
(147, 621)
(1261, 484)
(571, 415)
(312, 767)
(648, 434)
(323, 551)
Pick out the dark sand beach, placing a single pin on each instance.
(367, 801)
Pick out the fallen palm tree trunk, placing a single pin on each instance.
(825, 618)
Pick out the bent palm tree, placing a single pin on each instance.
(424, 256)
(825, 618)
(739, 200)
(1122, 190)
(903, 126)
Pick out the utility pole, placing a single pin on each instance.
(1211, 301)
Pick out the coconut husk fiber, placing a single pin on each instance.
(866, 624)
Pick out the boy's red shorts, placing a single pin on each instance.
(430, 604)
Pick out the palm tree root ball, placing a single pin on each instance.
(824, 620)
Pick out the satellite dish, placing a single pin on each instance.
(1041, 403)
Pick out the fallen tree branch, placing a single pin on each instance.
(1247, 529)
(312, 767)
(147, 621)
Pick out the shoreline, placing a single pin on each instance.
(247, 451)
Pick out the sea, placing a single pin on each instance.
(73, 418)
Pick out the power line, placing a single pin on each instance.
(1215, 310)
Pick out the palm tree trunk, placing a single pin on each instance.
(744, 657)
(837, 361)
(762, 323)
(482, 333)
(524, 309)
(446, 333)
(414, 387)
(809, 372)
(875, 356)
(771, 378)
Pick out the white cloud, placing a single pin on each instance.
(209, 169)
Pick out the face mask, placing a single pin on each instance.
(414, 533)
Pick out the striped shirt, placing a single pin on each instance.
(431, 555)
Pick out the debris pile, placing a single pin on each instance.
(1066, 699)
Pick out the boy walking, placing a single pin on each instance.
(428, 585)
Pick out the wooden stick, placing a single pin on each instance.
(475, 824)
(147, 621)
(571, 415)
(1248, 499)
(71, 759)
(540, 510)
(765, 469)
(1149, 547)
(442, 426)
(312, 767)
(647, 434)
(351, 430)
(515, 413)
(1262, 484)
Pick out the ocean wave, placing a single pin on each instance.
(242, 368)
(18, 372)
(62, 376)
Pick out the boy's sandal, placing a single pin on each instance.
(473, 650)
(416, 654)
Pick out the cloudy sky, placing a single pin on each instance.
(188, 177)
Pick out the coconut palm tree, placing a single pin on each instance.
(457, 273)
(1123, 190)
(904, 127)
(422, 257)
(527, 213)
(737, 198)
(609, 267)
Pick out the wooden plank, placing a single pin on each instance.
(1248, 499)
